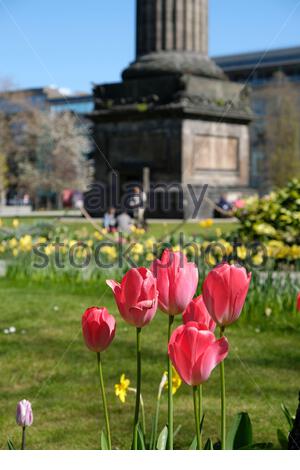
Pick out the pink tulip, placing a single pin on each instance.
(177, 281)
(24, 416)
(98, 328)
(224, 293)
(196, 311)
(195, 352)
(298, 302)
(136, 296)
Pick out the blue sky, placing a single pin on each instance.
(72, 43)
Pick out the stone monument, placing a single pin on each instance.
(175, 112)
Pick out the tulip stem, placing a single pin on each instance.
(155, 424)
(197, 415)
(104, 401)
(23, 438)
(170, 392)
(200, 399)
(138, 388)
(223, 398)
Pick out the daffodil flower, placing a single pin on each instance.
(121, 388)
(176, 380)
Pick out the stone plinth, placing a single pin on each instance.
(175, 112)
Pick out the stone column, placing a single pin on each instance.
(172, 25)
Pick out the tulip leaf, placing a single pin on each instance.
(259, 446)
(240, 433)
(193, 445)
(177, 431)
(10, 445)
(209, 445)
(153, 434)
(282, 439)
(141, 439)
(162, 439)
(290, 419)
(104, 444)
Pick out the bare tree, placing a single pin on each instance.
(45, 152)
(52, 154)
(282, 131)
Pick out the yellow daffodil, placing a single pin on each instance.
(242, 252)
(150, 257)
(258, 259)
(206, 223)
(15, 223)
(13, 243)
(25, 243)
(49, 249)
(176, 380)
(15, 252)
(121, 388)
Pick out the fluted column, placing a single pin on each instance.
(172, 25)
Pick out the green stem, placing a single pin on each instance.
(104, 401)
(143, 414)
(138, 388)
(170, 394)
(155, 425)
(197, 415)
(200, 401)
(23, 438)
(223, 398)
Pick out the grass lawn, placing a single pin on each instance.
(46, 362)
(160, 230)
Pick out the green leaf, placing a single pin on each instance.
(141, 439)
(209, 445)
(282, 439)
(193, 445)
(10, 444)
(240, 433)
(290, 419)
(104, 443)
(259, 446)
(152, 435)
(162, 439)
(201, 424)
(177, 431)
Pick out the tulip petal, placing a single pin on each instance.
(185, 286)
(131, 286)
(214, 354)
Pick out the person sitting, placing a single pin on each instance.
(110, 221)
(223, 208)
(124, 222)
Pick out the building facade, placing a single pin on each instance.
(46, 98)
(257, 70)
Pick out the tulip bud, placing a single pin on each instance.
(24, 416)
(196, 311)
(195, 352)
(177, 281)
(298, 302)
(224, 293)
(136, 296)
(98, 328)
